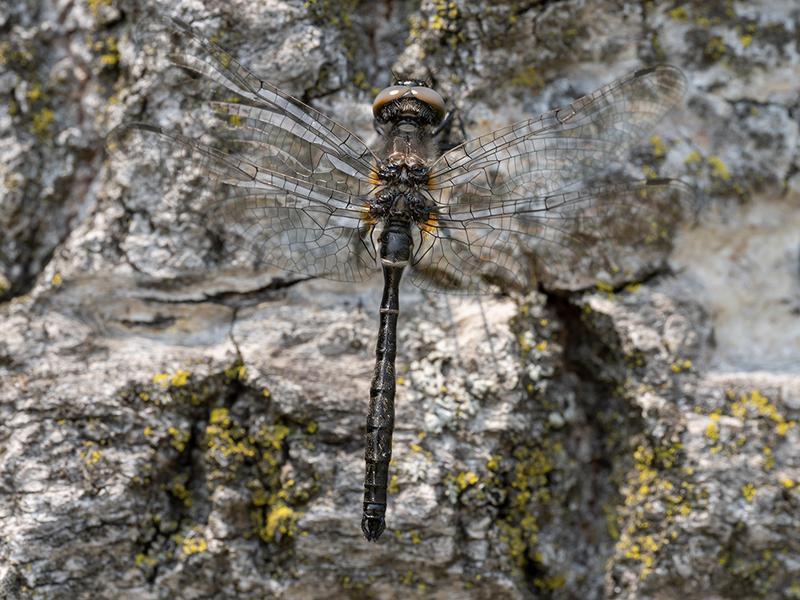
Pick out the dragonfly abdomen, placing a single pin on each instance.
(395, 251)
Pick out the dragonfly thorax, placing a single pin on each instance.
(405, 168)
(400, 203)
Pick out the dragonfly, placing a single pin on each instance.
(503, 211)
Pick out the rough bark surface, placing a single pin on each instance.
(176, 422)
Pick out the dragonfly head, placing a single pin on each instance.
(411, 100)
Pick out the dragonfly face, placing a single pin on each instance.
(524, 203)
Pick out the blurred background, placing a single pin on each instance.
(180, 422)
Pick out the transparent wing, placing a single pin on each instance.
(553, 151)
(535, 188)
(288, 165)
(284, 231)
(290, 223)
(569, 240)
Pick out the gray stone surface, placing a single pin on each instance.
(176, 422)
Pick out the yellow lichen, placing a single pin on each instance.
(281, 520)
(658, 146)
(194, 545)
(179, 438)
(678, 13)
(220, 416)
(180, 378)
(718, 168)
(91, 457)
(42, 121)
(226, 439)
(769, 459)
(681, 366)
(632, 288)
(145, 560)
(238, 371)
(180, 491)
(528, 77)
(715, 48)
(95, 5)
(749, 492)
(605, 287)
(57, 280)
(554, 582)
(712, 432)
(34, 93)
(466, 479)
(693, 158)
(111, 56)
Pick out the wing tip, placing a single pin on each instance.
(664, 72)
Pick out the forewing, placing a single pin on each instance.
(289, 223)
(282, 115)
(280, 163)
(561, 147)
(533, 190)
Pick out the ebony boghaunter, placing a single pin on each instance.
(523, 203)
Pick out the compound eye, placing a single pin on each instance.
(431, 98)
(387, 95)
